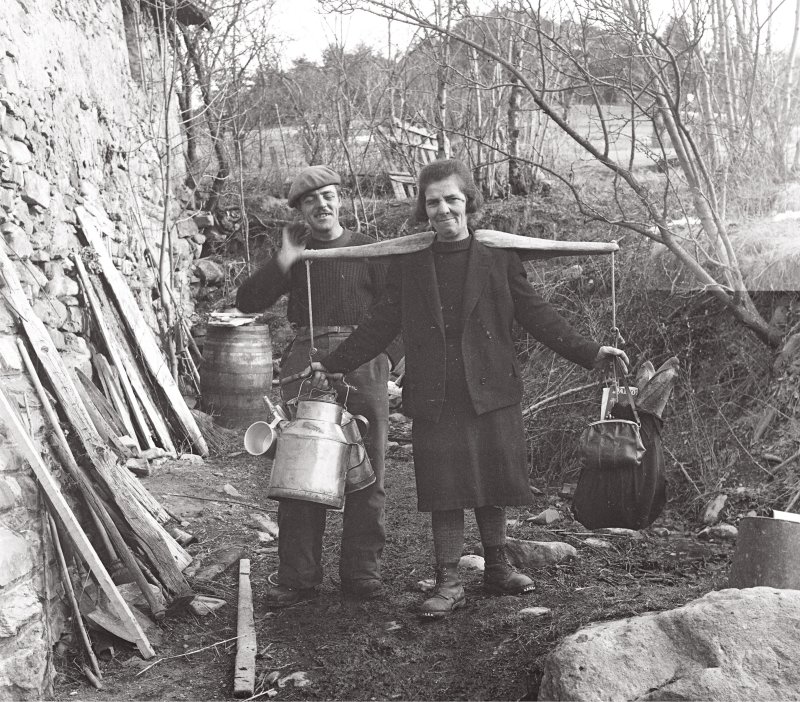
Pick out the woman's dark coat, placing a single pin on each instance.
(496, 292)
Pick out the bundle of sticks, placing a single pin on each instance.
(127, 521)
(135, 375)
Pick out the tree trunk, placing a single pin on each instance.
(442, 142)
(516, 179)
(188, 118)
(214, 119)
(478, 171)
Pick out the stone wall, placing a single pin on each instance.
(75, 128)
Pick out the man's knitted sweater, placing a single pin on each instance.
(342, 292)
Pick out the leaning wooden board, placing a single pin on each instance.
(53, 491)
(527, 247)
(140, 331)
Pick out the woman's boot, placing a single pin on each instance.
(448, 595)
(502, 578)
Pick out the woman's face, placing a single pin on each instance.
(446, 207)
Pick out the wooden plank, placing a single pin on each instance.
(164, 553)
(114, 351)
(108, 433)
(405, 179)
(141, 332)
(52, 490)
(397, 189)
(104, 407)
(244, 680)
(114, 394)
(131, 368)
(154, 509)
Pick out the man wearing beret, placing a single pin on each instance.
(342, 293)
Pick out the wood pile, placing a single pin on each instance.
(131, 415)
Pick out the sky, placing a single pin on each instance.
(307, 30)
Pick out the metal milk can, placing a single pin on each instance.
(314, 454)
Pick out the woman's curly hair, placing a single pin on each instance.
(439, 170)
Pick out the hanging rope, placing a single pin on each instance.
(312, 349)
(614, 327)
(618, 340)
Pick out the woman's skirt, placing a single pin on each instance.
(465, 459)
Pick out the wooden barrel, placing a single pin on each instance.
(236, 373)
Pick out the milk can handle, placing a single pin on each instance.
(361, 454)
(363, 424)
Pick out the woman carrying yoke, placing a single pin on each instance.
(455, 303)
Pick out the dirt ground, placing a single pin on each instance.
(380, 649)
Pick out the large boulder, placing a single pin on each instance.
(728, 645)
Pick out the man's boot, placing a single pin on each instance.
(284, 596)
(502, 578)
(448, 595)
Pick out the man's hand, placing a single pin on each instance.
(605, 358)
(293, 243)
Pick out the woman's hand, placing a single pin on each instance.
(605, 358)
(319, 379)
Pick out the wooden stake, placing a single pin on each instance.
(245, 667)
(73, 601)
(108, 532)
(92, 678)
(57, 502)
(140, 331)
(190, 339)
(193, 374)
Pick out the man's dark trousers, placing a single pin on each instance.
(302, 524)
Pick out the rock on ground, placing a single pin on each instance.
(549, 516)
(713, 509)
(537, 554)
(728, 645)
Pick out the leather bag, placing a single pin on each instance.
(622, 483)
(613, 443)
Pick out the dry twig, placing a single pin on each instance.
(228, 502)
(185, 653)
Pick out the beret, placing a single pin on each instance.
(310, 179)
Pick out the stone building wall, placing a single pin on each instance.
(76, 127)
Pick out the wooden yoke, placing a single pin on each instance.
(527, 247)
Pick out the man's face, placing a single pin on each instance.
(320, 209)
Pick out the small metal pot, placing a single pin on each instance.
(360, 474)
